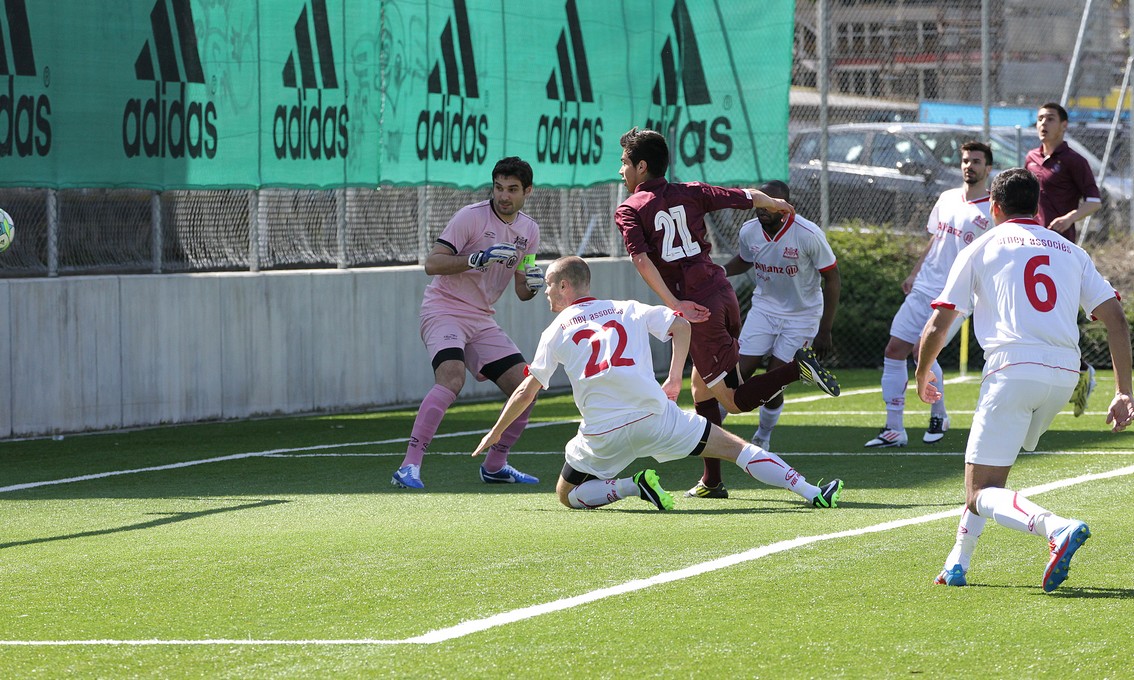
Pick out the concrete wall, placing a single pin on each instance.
(100, 352)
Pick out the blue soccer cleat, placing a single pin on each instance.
(954, 576)
(506, 475)
(408, 477)
(1064, 542)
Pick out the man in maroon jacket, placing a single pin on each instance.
(663, 227)
(1068, 193)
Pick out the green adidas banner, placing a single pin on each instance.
(170, 94)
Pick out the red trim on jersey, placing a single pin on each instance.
(1027, 221)
(596, 434)
(834, 265)
(1034, 363)
(526, 371)
(585, 298)
(986, 199)
(783, 229)
(942, 305)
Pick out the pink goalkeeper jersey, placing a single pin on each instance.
(476, 227)
(954, 223)
(787, 267)
(604, 347)
(1024, 285)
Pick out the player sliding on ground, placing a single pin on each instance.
(604, 348)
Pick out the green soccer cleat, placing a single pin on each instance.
(828, 494)
(650, 489)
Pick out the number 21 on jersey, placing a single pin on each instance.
(677, 242)
(613, 331)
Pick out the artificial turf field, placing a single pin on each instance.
(278, 548)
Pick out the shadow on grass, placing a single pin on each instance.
(169, 518)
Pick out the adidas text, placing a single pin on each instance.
(24, 124)
(569, 140)
(451, 135)
(169, 127)
(310, 131)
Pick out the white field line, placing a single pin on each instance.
(505, 618)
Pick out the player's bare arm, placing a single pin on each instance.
(907, 285)
(832, 287)
(680, 334)
(737, 265)
(932, 341)
(692, 311)
(1121, 411)
(762, 200)
(524, 395)
(1085, 210)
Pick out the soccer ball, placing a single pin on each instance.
(7, 231)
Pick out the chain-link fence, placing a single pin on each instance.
(905, 85)
(893, 87)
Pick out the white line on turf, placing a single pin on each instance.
(505, 618)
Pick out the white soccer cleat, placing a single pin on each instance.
(937, 428)
(888, 438)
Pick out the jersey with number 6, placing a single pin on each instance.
(1024, 285)
(604, 347)
(666, 220)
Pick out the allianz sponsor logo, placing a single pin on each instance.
(174, 122)
(696, 138)
(25, 109)
(446, 129)
(568, 135)
(311, 128)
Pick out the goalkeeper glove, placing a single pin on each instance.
(534, 276)
(501, 252)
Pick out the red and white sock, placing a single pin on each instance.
(599, 492)
(968, 532)
(1012, 510)
(767, 467)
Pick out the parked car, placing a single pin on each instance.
(893, 173)
(882, 173)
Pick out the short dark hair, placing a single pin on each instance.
(979, 146)
(649, 146)
(776, 189)
(574, 269)
(513, 166)
(1016, 191)
(1058, 108)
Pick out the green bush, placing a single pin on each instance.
(872, 264)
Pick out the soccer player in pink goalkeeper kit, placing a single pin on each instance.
(1024, 285)
(475, 259)
(604, 347)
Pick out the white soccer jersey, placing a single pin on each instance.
(1024, 285)
(954, 223)
(787, 267)
(604, 347)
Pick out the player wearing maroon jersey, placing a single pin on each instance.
(663, 227)
(1068, 193)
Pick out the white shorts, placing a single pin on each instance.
(670, 435)
(910, 320)
(1012, 413)
(781, 336)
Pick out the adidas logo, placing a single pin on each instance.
(695, 136)
(307, 128)
(168, 124)
(448, 133)
(25, 123)
(567, 136)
